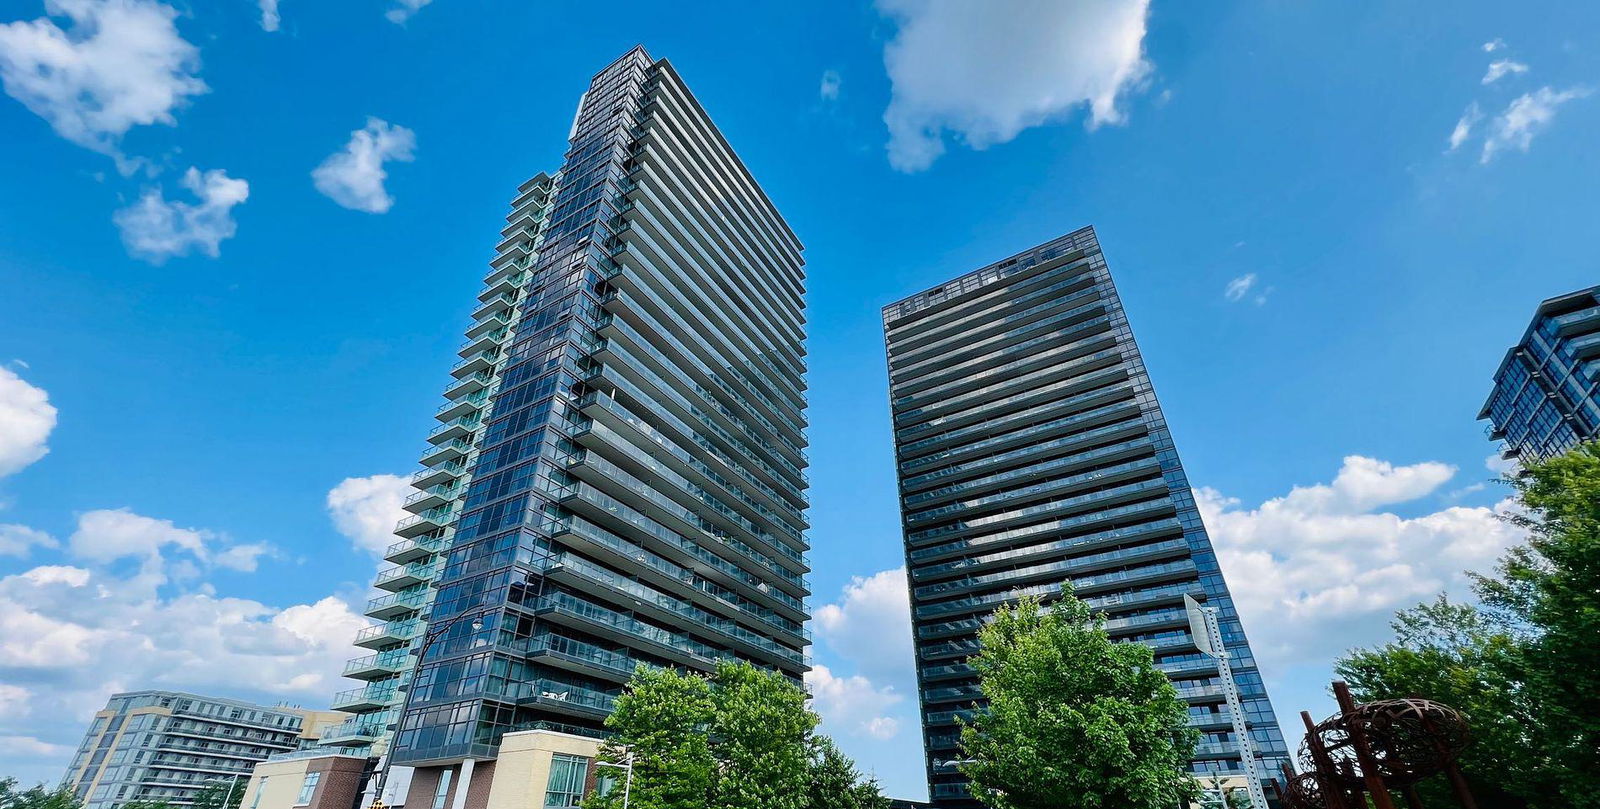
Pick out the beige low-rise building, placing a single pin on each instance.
(534, 769)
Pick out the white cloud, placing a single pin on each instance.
(1239, 287)
(1527, 116)
(155, 230)
(107, 535)
(366, 509)
(1500, 68)
(26, 419)
(404, 9)
(871, 625)
(1501, 465)
(120, 64)
(14, 700)
(29, 747)
(1464, 125)
(986, 71)
(852, 705)
(354, 177)
(244, 558)
(829, 88)
(1493, 45)
(72, 636)
(269, 15)
(19, 540)
(1322, 568)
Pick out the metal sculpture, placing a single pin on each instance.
(1368, 749)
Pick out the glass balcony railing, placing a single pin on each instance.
(1025, 423)
(425, 572)
(1148, 507)
(1039, 469)
(1058, 504)
(1065, 566)
(1085, 540)
(1031, 449)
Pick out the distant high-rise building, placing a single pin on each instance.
(164, 746)
(1545, 399)
(1030, 450)
(618, 478)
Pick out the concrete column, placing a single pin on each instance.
(463, 781)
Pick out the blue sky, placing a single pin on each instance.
(1321, 282)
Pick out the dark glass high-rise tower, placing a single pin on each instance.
(1546, 396)
(625, 482)
(1030, 450)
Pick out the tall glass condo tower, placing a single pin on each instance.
(619, 475)
(1030, 450)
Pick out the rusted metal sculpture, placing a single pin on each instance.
(1369, 749)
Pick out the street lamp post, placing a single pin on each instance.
(433, 634)
(627, 784)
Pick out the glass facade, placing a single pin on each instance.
(1544, 400)
(619, 480)
(164, 746)
(1031, 450)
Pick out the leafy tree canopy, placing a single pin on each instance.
(1073, 720)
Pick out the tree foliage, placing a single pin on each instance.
(36, 797)
(739, 739)
(835, 783)
(1525, 665)
(1072, 720)
(220, 794)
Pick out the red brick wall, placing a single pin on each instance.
(424, 782)
(478, 790)
(340, 785)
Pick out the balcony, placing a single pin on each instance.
(415, 549)
(468, 384)
(358, 730)
(480, 362)
(429, 521)
(388, 633)
(431, 497)
(437, 474)
(399, 578)
(503, 284)
(503, 302)
(497, 320)
(398, 605)
(369, 698)
(378, 666)
(466, 405)
(451, 450)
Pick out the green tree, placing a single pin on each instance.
(835, 783)
(1549, 589)
(1073, 721)
(36, 797)
(662, 720)
(1456, 655)
(739, 739)
(221, 794)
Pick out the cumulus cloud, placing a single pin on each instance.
(1500, 68)
(155, 229)
(1323, 567)
(829, 88)
(1464, 125)
(26, 419)
(852, 705)
(19, 540)
(403, 9)
(72, 636)
(107, 535)
(870, 625)
(354, 177)
(366, 509)
(118, 64)
(983, 72)
(1527, 116)
(269, 15)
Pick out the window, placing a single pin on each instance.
(567, 776)
(307, 788)
(260, 788)
(443, 789)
